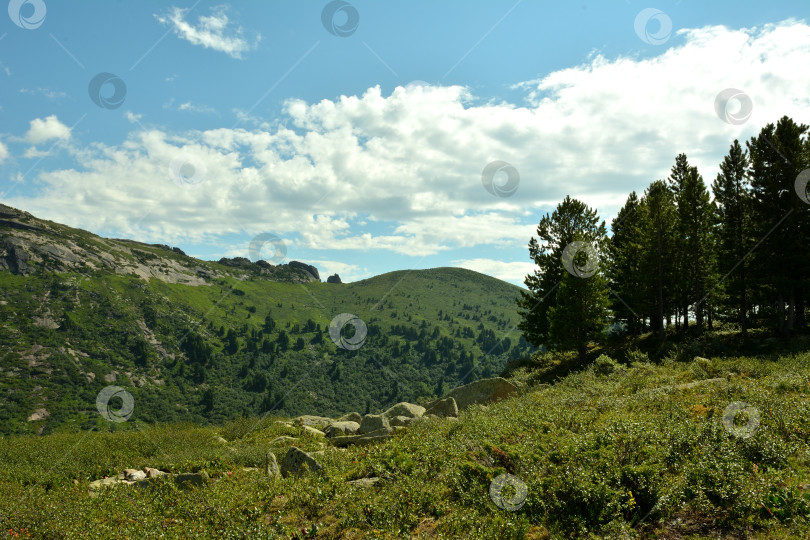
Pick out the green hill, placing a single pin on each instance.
(619, 450)
(207, 341)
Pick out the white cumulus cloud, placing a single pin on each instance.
(45, 129)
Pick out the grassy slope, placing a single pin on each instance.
(107, 313)
(607, 455)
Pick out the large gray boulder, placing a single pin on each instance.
(406, 409)
(338, 429)
(317, 422)
(296, 461)
(445, 408)
(480, 392)
(373, 422)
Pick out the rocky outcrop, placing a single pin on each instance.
(403, 408)
(333, 279)
(337, 429)
(311, 270)
(373, 422)
(480, 392)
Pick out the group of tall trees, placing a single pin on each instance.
(680, 255)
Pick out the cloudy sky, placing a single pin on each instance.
(361, 135)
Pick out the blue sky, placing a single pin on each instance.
(364, 152)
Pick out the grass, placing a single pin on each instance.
(616, 450)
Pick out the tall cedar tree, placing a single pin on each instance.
(778, 154)
(659, 245)
(732, 197)
(571, 220)
(627, 278)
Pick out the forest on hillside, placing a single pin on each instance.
(680, 257)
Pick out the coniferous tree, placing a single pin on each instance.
(571, 221)
(627, 278)
(659, 245)
(732, 197)
(778, 155)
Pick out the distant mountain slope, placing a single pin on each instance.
(207, 341)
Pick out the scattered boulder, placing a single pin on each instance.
(351, 417)
(318, 422)
(296, 461)
(39, 414)
(480, 392)
(133, 475)
(282, 439)
(402, 421)
(153, 473)
(365, 482)
(314, 432)
(337, 429)
(373, 422)
(271, 466)
(444, 408)
(220, 440)
(406, 409)
(363, 438)
(334, 279)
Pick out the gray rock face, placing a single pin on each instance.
(401, 421)
(480, 392)
(373, 422)
(406, 409)
(334, 279)
(307, 268)
(445, 408)
(296, 461)
(338, 429)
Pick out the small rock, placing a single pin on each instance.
(153, 473)
(318, 422)
(364, 482)
(271, 466)
(133, 475)
(296, 461)
(282, 439)
(220, 440)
